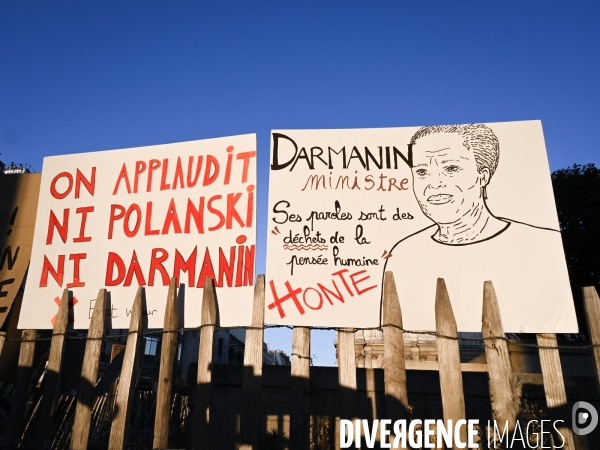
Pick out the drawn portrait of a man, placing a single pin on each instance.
(452, 168)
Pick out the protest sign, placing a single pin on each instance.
(124, 218)
(467, 203)
(18, 206)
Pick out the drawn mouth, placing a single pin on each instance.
(439, 199)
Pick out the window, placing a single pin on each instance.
(220, 350)
(151, 346)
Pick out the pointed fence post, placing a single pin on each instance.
(43, 438)
(19, 399)
(253, 362)
(119, 432)
(205, 362)
(167, 354)
(300, 389)
(451, 383)
(505, 405)
(394, 370)
(89, 376)
(554, 386)
(2, 340)
(348, 408)
(592, 309)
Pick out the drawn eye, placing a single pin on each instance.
(421, 172)
(452, 169)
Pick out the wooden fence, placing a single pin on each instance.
(115, 411)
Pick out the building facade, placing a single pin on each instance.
(418, 348)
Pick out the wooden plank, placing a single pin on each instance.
(127, 380)
(347, 372)
(451, 383)
(592, 309)
(52, 378)
(505, 404)
(300, 390)
(167, 355)
(89, 375)
(205, 362)
(348, 408)
(9, 348)
(554, 387)
(252, 377)
(394, 370)
(2, 340)
(19, 399)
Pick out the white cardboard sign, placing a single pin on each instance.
(467, 203)
(124, 218)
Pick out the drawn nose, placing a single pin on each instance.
(437, 182)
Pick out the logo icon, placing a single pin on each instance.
(585, 418)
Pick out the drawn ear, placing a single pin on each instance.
(485, 176)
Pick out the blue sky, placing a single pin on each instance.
(86, 76)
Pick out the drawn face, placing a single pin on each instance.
(446, 181)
